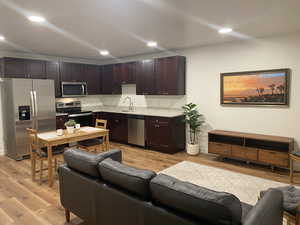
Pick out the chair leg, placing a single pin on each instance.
(55, 165)
(33, 166)
(67, 213)
(41, 170)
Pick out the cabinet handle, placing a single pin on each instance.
(165, 93)
(117, 121)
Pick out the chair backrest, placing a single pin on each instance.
(33, 140)
(101, 123)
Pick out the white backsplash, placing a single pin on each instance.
(172, 102)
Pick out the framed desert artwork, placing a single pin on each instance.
(266, 87)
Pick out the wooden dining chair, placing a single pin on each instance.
(95, 143)
(41, 154)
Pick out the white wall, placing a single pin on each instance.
(204, 66)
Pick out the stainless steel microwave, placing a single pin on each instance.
(73, 89)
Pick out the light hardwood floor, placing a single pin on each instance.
(23, 202)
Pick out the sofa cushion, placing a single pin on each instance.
(86, 162)
(135, 181)
(199, 202)
(291, 198)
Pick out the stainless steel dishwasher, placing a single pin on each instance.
(136, 130)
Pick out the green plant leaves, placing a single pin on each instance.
(194, 119)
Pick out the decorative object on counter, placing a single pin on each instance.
(70, 125)
(77, 126)
(194, 120)
(60, 132)
(266, 87)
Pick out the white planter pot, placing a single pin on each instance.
(193, 149)
(70, 130)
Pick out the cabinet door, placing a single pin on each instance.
(36, 69)
(118, 128)
(14, 68)
(159, 134)
(66, 72)
(60, 122)
(107, 79)
(78, 72)
(93, 79)
(71, 72)
(117, 79)
(170, 75)
(128, 73)
(52, 72)
(145, 77)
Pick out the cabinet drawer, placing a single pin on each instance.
(219, 148)
(159, 120)
(274, 158)
(244, 152)
(252, 154)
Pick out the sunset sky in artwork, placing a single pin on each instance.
(246, 85)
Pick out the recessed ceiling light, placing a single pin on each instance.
(225, 30)
(2, 38)
(104, 52)
(37, 19)
(152, 44)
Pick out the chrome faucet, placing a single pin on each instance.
(130, 108)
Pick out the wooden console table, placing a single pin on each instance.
(264, 149)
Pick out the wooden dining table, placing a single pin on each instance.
(50, 139)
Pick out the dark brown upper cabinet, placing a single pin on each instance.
(111, 81)
(170, 75)
(128, 73)
(36, 69)
(52, 72)
(93, 79)
(24, 68)
(72, 72)
(145, 77)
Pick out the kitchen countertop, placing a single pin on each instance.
(160, 112)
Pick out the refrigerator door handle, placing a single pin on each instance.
(35, 110)
(32, 109)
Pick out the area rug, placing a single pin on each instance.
(245, 187)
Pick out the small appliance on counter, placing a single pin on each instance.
(73, 109)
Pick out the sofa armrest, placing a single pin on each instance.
(268, 210)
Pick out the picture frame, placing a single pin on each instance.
(257, 88)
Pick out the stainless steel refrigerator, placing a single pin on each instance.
(26, 103)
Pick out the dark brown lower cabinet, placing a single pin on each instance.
(117, 125)
(161, 134)
(165, 134)
(60, 122)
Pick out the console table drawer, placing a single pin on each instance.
(274, 158)
(244, 152)
(219, 148)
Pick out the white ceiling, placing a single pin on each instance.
(79, 28)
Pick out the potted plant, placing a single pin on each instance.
(194, 120)
(70, 125)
